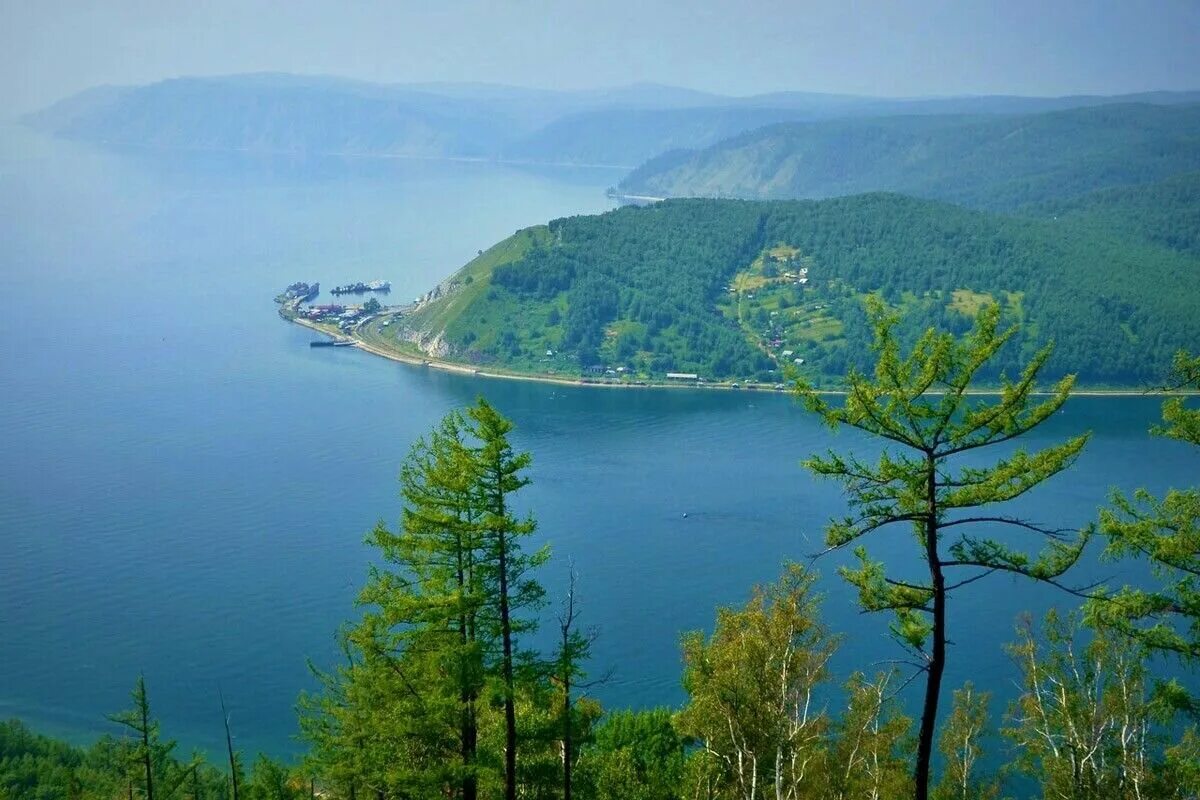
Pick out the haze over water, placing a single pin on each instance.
(185, 484)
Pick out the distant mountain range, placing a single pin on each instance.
(620, 126)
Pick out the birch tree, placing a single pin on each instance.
(751, 692)
(1085, 725)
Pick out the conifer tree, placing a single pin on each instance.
(505, 568)
(442, 616)
(153, 768)
(1166, 533)
(920, 406)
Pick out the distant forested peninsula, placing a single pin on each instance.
(732, 290)
(995, 162)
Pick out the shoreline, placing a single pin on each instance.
(481, 372)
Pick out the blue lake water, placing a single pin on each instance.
(185, 484)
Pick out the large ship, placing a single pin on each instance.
(360, 287)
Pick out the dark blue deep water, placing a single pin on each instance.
(185, 485)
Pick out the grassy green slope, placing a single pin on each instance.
(994, 162)
(459, 293)
(715, 287)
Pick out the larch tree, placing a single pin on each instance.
(149, 757)
(400, 716)
(504, 567)
(1165, 532)
(442, 543)
(920, 406)
(443, 613)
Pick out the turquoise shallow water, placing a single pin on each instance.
(185, 484)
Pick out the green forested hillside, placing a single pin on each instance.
(1165, 213)
(992, 162)
(740, 290)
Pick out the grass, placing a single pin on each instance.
(473, 281)
(968, 302)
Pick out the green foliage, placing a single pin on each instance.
(872, 750)
(961, 745)
(434, 670)
(148, 760)
(916, 483)
(272, 781)
(1166, 214)
(637, 755)
(37, 767)
(919, 405)
(750, 691)
(1086, 725)
(1166, 533)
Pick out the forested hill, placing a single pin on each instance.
(992, 162)
(738, 290)
(1165, 213)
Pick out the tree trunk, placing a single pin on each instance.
(145, 709)
(566, 732)
(510, 713)
(233, 770)
(937, 659)
(468, 734)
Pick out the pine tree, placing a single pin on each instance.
(921, 407)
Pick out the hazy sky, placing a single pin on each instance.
(51, 48)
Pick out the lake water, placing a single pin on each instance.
(185, 484)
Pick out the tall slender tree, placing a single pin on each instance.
(159, 774)
(441, 543)
(505, 567)
(568, 676)
(235, 767)
(921, 407)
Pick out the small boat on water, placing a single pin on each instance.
(332, 343)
